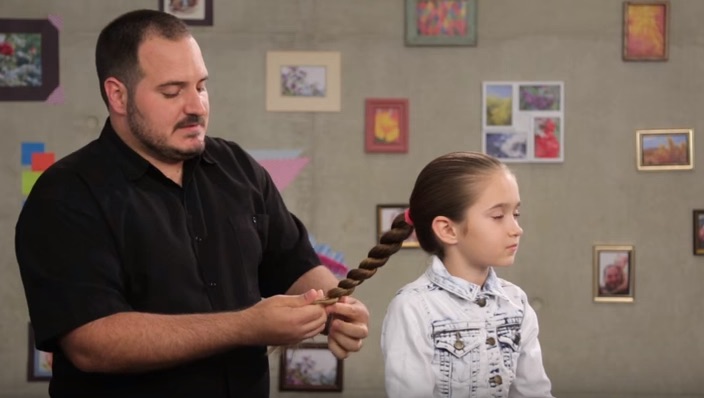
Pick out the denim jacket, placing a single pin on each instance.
(446, 337)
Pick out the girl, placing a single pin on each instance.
(459, 330)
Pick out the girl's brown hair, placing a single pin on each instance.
(447, 186)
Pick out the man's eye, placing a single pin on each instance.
(170, 95)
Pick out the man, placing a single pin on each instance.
(158, 262)
(615, 281)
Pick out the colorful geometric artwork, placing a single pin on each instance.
(442, 18)
(332, 260)
(283, 166)
(35, 161)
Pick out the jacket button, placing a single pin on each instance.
(496, 381)
(481, 301)
(490, 341)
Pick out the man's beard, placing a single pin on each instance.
(155, 144)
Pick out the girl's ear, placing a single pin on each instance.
(445, 230)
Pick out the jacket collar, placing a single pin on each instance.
(437, 273)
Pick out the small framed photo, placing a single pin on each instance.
(302, 81)
(645, 30)
(668, 149)
(192, 12)
(441, 22)
(698, 231)
(614, 273)
(39, 364)
(385, 215)
(386, 125)
(29, 59)
(310, 367)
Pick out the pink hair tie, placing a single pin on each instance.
(407, 217)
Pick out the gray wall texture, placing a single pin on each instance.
(652, 347)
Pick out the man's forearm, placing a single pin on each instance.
(316, 278)
(136, 342)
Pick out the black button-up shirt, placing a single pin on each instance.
(104, 232)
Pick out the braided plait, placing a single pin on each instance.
(389, 243)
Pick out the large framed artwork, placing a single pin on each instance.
(524, 121)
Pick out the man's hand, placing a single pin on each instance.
(287, 320)
(349, 326)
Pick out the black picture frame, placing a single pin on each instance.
(49, 53)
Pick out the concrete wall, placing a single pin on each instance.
(650, 348)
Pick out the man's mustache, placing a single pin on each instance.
(191, 120)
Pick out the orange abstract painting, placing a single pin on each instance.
(645, 31)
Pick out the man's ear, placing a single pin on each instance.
(445, 230)
(117, 95)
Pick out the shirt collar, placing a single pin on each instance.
(437, 273)
(134, 165)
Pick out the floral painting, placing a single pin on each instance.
(546, 132)
(310, 367)
(20, 59)
(662, 149)
(499, 104)
(386, 125)
(669, 149)
(539, 98)
(645, 31)
(524, 121)
(506, 145)
(303, 81)
(442, 18)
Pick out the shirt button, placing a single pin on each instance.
(212, 284)
(198, 239)
(481, 302)
(254, 219)
(490, 341)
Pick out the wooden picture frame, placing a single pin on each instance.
(29, 59)
(665, 149)
(524, 121)
(441, 22)
(303, 81)
(310, 367)
(39, 363)
(645, 30)
(192, 12)
(698, 232)
(385, 215)
(614, 273)
(386, 125)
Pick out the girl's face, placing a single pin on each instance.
(490, 233)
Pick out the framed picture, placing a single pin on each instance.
(386, 125)
(39, 364)
(614, 273)
(303, 81)
(310, 367)
(645, 30)
(441, 22)
(192, 12)
(665, 149)
(385, 215)
(698, 231)
(524, 121)
(29, 59)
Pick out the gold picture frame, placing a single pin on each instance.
(614, 273)
(299, 81)
(665, 149)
